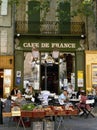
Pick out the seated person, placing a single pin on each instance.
(63, 98)
(70, 90)
(82, 104)
(7, 104)
(20, 100)
(30, 91)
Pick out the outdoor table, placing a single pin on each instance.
(74, 101)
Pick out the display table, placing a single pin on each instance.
(33, 114)
(52, 111)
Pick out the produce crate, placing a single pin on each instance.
(49, 125)
(58, 111)
(48, 111)
(38, 113)
(74, 112)
(38, 125)
(25, 113)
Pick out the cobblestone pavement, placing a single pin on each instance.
(73, 123)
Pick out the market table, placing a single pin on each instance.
(51, 111)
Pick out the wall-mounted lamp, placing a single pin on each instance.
(82, 41)
(18, 34)
(83, 36)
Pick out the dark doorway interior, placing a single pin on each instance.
(52, 74)
(1, 83)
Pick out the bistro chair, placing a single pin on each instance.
(87, 112)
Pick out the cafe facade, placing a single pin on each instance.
(49, 72)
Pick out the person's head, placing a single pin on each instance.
(95, 88)
(65, 92)
(19, 94)
(71, 86)
(83, 92)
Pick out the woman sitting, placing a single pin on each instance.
(82, 103)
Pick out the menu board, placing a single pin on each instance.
(94, 74)
(80, 78)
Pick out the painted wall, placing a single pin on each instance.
(90, 58)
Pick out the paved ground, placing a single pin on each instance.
(74, 123)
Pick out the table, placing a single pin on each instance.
(33, 114)
(74, 101)
(56, 111)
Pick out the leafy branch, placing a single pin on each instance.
(84, 8)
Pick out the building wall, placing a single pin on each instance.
(90, 58)
(7, 44)
(6, 24)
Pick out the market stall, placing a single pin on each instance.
(41, 113)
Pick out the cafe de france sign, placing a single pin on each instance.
(49, 45)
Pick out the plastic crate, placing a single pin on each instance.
(49, 125)
(37, 125)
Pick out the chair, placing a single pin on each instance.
(91, 103)
(87, 112)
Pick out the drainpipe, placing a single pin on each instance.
(1, 117)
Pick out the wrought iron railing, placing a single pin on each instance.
(50, 27)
